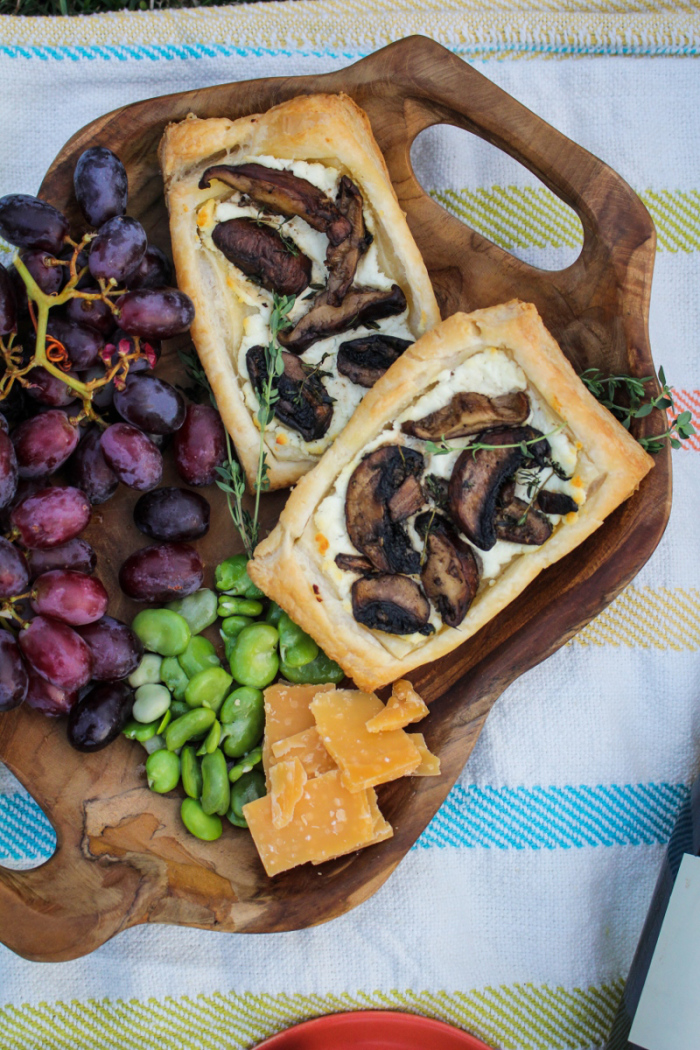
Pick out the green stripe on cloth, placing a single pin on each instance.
(514, 1017)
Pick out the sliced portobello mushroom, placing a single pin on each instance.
(394, 604)
(261, 253)
(518, 522)
(370, 527)
(478, 476)
(354, 563)
(304, 404)
(359, 306)
(470, 414)
(450, 574)
(365, 360)
(556, 502)
(407, 500)
(342, 258)
(284, 193)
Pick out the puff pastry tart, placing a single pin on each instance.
(295, 202)
(476, 461)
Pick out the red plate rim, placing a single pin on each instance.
(370, 1030)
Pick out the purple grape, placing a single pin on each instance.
(162, 573)
(47, 389)
(134, 459)
(116, 650)
(48, 277)
(14, 679)
(14, 406)
(8, 470)
(69, 596)
(91, 312)
(155, 313)
(100, 184)
(154, 271)
(51, 517)
(76, 554)
(200, 445)
(172, 514)
(56, 652)
(14, 573)
(48, 698)
(150, 404)
(8, 303)
(44, 443)
(101, 395)
(29, 222)
(99, 717)
(117, 249)
(89, 470)
(83, 344)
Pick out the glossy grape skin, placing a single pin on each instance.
(49, 278)
(69, 596)
(150, 404)
(94, 313)
(14, 573)
(56, 652)
(116, 650)
(83, 344)
(51, 517)
(117, 249)
(100, 184)
(134, 459)
(8, 303)
(200, 445)
(172, 514)
(14, 679)
(48, 698)
(162, 573)
(89, 471)
(154, 271)
(48, 389)
(29, 222)
(44, 443)
(155, 313)
(99, 717)
(77, 554)
(8, 470)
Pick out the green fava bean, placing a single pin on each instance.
(198, 823)
(178, 708)
(274, 614)
(140, 731)
(317, 672)
(162, 631)
(163, 771)
(174, 677)
(151, 703)
(254, 660)
(199, 609)
(165, 721)
(188, 726)
(296, 647)
(247, 789)
(198, 655)
(245, 765)
(238, 607)
(155, 743)
(243, 721)
(232, 575)
(191, 772)
(147, 672)
(232, 626)
(208, 688)
(216, 789)
(211, 740)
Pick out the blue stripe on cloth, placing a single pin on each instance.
(25, 833)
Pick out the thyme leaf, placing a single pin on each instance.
(624, 396)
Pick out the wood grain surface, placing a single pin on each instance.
(123, 857)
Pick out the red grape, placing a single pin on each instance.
(47, 389)
(83, 344)
(76, 554)
(155, 313)
(99, 717)
(162, 573)
(116, 650)
(172, 514)
(100, 185)
(44, 443)
(69, 596)
(8, 303)
(51, 517)
(200, 445)
(57, 653)
(48, 698)
(91, 312)
(14, 573)
(90, 471)
(48, 277)
(134, 459)
(29, 222)
(8, 470)
(118, 248)
(154, 270)
(13, 674)
(150, 404)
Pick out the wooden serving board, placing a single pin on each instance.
(123, 857)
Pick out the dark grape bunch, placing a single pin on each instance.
(81, 323)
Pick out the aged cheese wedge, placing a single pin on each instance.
(328, 821)
(287, 780)
(364, 758)
(382, 828)
(404, 706)
(430, 763)
(308, 748)
(287, 713)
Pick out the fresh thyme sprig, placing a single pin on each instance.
(443, 449)
(609, 389)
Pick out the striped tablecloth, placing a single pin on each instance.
(517, 913)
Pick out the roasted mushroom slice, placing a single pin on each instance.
(342, 258)
(354, 563)
(365, 360)
(518, 522)
(450, 574)
(556, 502)
(478, 475)
(470, 414)
(303, 404)
(283, 193)
(407, 500)
(370, 528)
(393, 604)
(359, 306)
(262, 253)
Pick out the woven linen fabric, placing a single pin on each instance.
(516, 914)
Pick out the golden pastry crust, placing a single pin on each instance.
(287, 565)
(330, 129)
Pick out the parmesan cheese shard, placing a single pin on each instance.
(308, 748)
(286, 714)
(404, 706)
(381, 828)
(287, 780)
(430, 763)
(328, 821)
(365, 759)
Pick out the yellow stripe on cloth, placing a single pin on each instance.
(648, 618)
(522, 1016)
